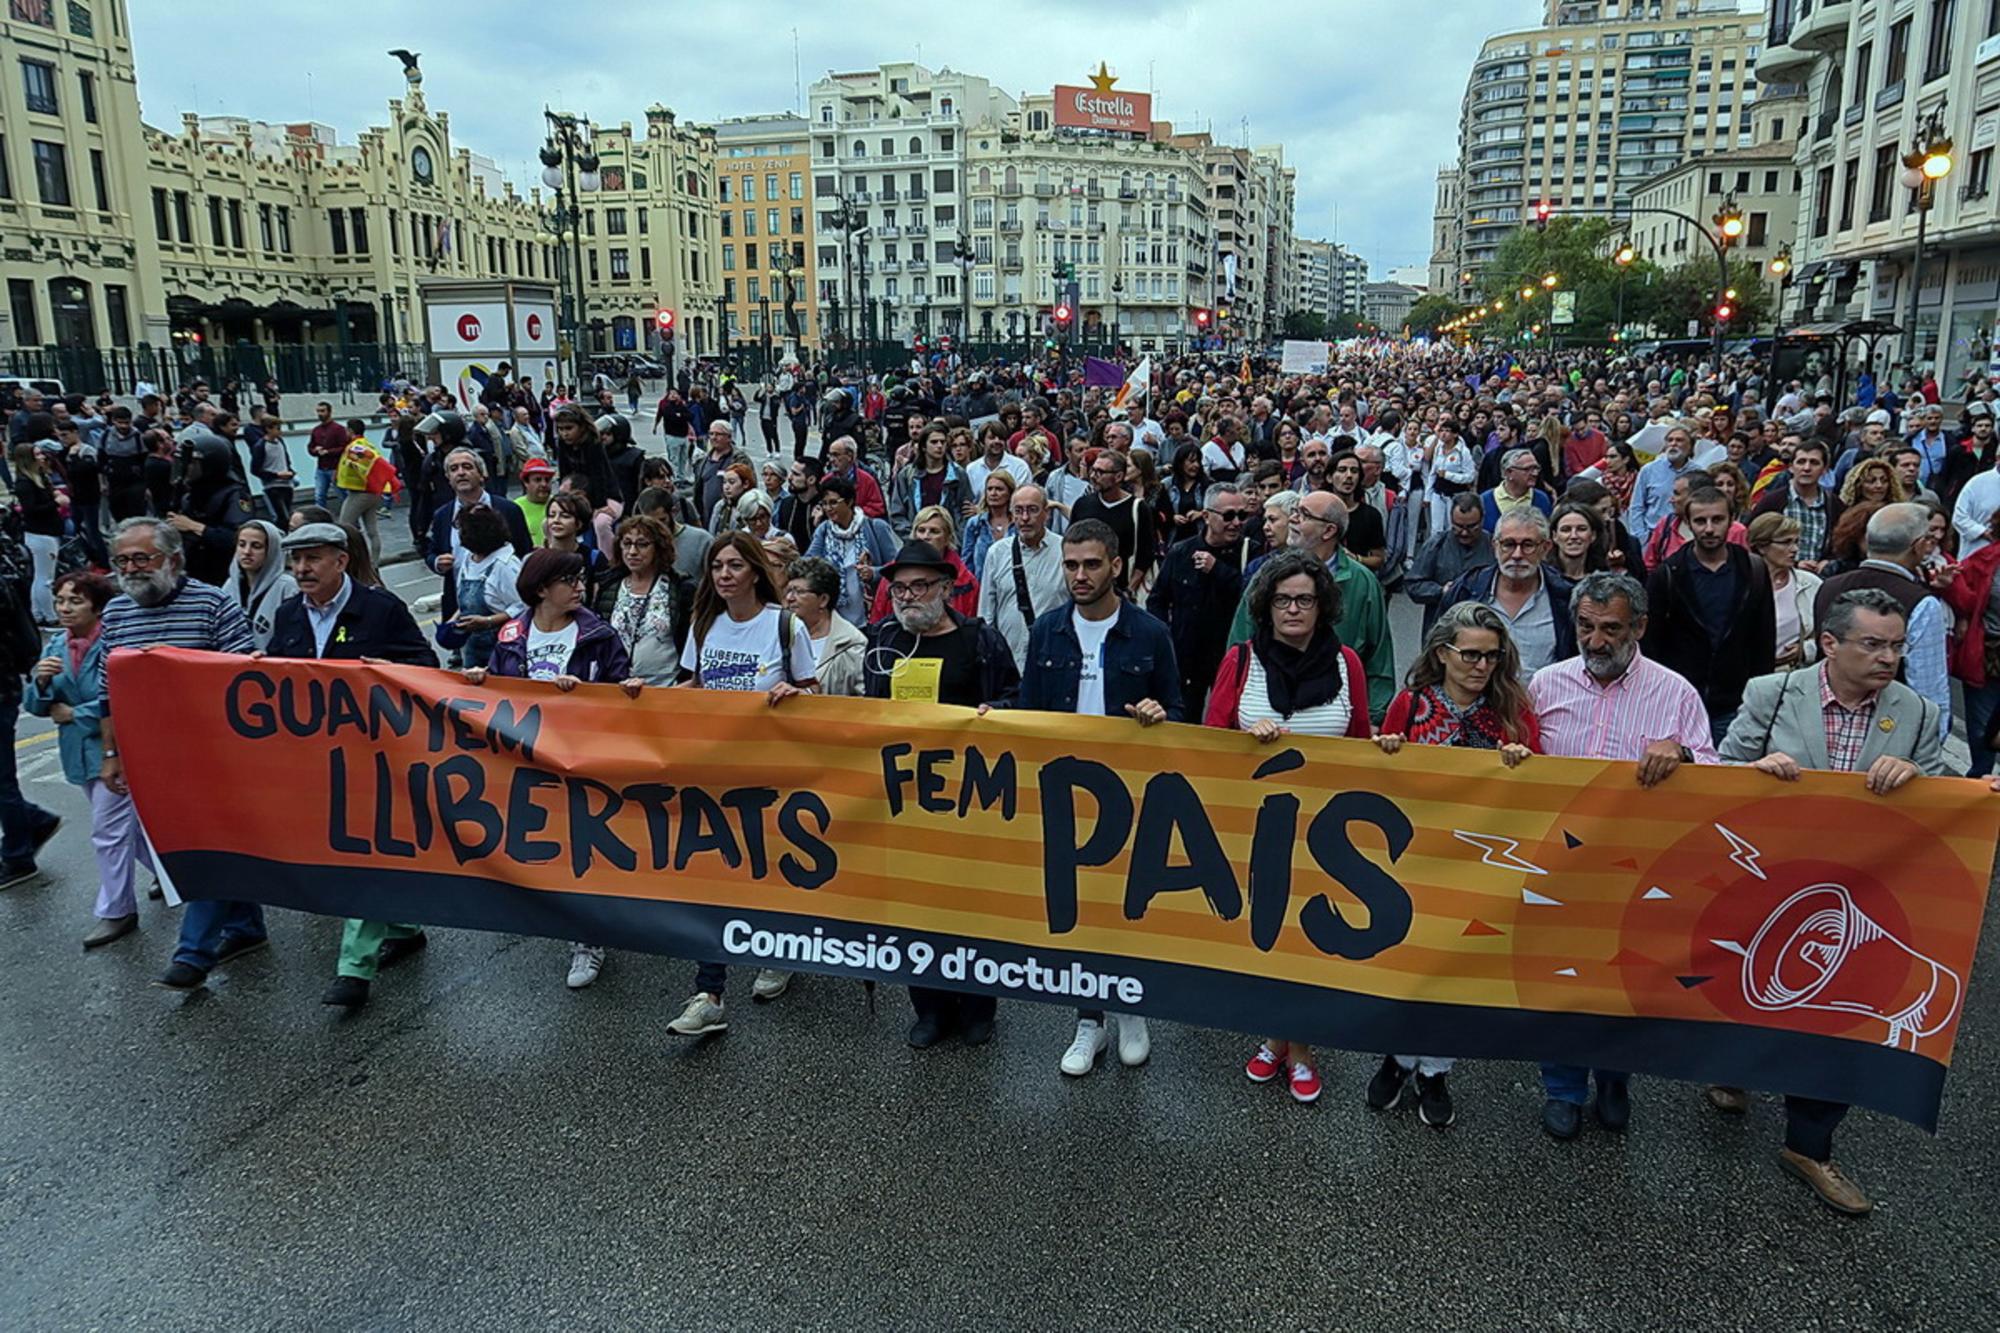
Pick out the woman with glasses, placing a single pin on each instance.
(1463, 690)
(648, 604)
(1293, 677)
(1774, 539)
(555, 639)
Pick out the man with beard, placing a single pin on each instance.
(929, 653)
(1653, 491)
(1124, 512)
(1532, 596)
(794, 513)
(1316, 454)
(159, 606)
(212, 505)
(1611, 702)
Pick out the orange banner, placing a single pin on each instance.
(1802, 937)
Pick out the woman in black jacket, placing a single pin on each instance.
(41, 524)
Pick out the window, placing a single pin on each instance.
(798, 222)
(1770, 182)
(395, 234)
(642, 222)
(183, 224)
(117, 314)
(1850, 183)
(826, 148)
(1862, 59)
(749, 189)
(728, 259)
(614, 222)
(161, 228)
(756, 289)
(1715, 182)
(750, 256)
(770, 222)
(1894, 67)
(266, 238)
(1759, 222)
(357, 221)
(1937, 51)
(645, 265)
(888, 148)
(749, 222)
(38, 85)
(1881, 187)
(593, 263)
(1823, 201)
(52, 173)
(86, 94)
(722, 189)
(621, 265)
(941, 182)
(770, 186)
(823, 187)
(1978, 174)
(336, 221)
(21, 300)
(284, 229)
(728, 224)
(796, 187)
(236, 224)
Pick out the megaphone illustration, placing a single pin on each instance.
(1819, 951)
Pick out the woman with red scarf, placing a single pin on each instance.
(1465, 690)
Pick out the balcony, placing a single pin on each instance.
(861, 197)
(887, 266)
(1823, 28)
(1093, 191)
(1012, 228)
(888, 231)
(1127, 192)
(1045, 191)
(917, 229)
(888, 195)
(1784, 63)
(1011, 263)
(915, 194)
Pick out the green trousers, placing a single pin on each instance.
(361, 945)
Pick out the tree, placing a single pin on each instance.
(1308, 325)
(1431, 311)
(1688, 293)
(1344, 324)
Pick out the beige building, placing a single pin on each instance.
(1605, 95)
(1246, 191)
(1872, 74)
(1761, 180)
(764, 217)
(1127, 214)
(1447, 233)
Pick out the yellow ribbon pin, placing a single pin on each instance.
(1887, 724)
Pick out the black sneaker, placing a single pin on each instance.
(346, 993)
(1614, 1104)
(182, 976)
(1561, 1119)
(977, 1032)
(45, 832)
(926, 1032)
(395, 951)
(1386, 1088)
(1434, 1106)
(17, 872)
(235, 946)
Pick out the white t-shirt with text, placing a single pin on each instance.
(1090, 681)
(744, 655)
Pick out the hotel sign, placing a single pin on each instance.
(1103, 107)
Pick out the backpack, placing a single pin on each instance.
(20, 638)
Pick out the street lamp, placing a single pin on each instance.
(789, 269)
(961, 250)
(1729, 220)
(1781, 269)
(1926, 164)
(569, 163)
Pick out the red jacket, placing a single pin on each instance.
(1396, 722)
(964, 593)
(1226, 699)
(1967, 599)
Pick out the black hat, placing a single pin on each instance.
(918, 555)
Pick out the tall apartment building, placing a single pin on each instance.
(1873, 74)
(1126, 213)
(1245, 189)
(1315, 281)
(1280, 191)
(114, 233)
(1447, 233)
(1604, 95)
(888, 172)
(764, 221)
(1350, 275)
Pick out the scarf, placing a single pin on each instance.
(1295, 678)
(1436, 720)
(650, 615)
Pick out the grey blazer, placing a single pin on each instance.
(1781, 712)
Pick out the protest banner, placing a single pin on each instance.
(1802, 937)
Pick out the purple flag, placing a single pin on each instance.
(1101, 373)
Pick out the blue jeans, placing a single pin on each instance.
(323, 487)
(1979, 706)
(1571, 1083)
(205, 924)
(20, 818)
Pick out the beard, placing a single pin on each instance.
(1610, 663)
(920, 617)
(149, 589)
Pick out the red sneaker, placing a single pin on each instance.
(1263, 1066)
(1305, 1083)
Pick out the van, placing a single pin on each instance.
(16, 384)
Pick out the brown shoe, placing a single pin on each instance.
(1835, 1190)
(1729, 1101)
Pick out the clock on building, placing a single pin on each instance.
(420, 165)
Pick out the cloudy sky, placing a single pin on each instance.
(1363, 94)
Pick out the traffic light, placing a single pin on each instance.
(1063, 314)
(1201, 319)
(665, 319)
(1542, 210)
(1723, 312)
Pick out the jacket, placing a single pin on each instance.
(963, 597)
(1676, 637)
(81, 739)
(840, 660)
(1779, 493)
(273, 586)
(1967, 597)
(1197, 607)
(1476, 585)
(1363, 624)
(441, 521)
(1490, 507)
(1225, 701)
(889, 642)
(1439, 563)
(599, 655)
(1803, 589)
(374, 623)
(1138, 664)
(1781, 713)
(906, 495)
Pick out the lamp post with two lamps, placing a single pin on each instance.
(569, 166)
(1927, 163)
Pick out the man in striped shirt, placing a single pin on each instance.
(1610, 702)
(161, 607)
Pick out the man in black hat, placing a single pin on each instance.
(335, 617)
(928, 653)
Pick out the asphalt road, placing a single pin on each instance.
(481, 1148)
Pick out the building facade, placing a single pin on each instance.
(1603, 96)
(763, 169)
(1447, 233)
(1315, 281)
(1872, 75)
(1246, 190)
(1350, 275)
(1387, 304)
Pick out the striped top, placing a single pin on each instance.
(196, 616)
(1584, 718)
(1327, 719)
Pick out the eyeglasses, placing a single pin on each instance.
(913, 590)
(1517, 543)
(1473, 657)
(1294, 601)
(1232, 515)
(1880, 647)
(144, 560)
(635, 544)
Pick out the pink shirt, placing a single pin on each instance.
(1582, 718)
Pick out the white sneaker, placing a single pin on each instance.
(701, 1017)
(770, 984)
(1134, 1044)
(1091, 1039)
(585, 962)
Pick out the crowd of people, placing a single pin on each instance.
(1615, 559)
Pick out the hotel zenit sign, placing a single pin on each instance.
(1102, 107)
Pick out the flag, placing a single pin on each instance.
(1244, 374)
(444, 237)
(1136, 385)
(1102, 374)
